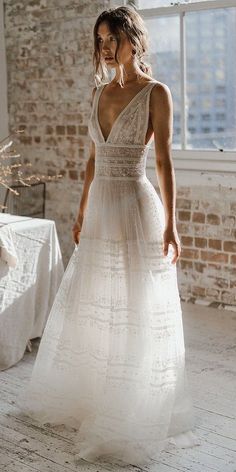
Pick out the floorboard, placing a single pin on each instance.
(210, 341)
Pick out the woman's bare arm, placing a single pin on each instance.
(89, 175)
(162, 121)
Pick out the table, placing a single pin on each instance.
(31, 270)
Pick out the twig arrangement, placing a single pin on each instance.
(11, 173)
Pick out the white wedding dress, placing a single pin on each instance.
(111, 361)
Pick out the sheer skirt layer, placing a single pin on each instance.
(111, 362)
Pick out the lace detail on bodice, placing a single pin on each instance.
(123, 154)
(130, 127)
(120, 161)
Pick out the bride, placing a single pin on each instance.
(111, 361)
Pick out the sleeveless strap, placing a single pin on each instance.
(147, 108)
(96, 96)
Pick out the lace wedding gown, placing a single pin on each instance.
(111, 361)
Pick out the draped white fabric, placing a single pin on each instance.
(111, 362)
(8, 253)
(31, 269)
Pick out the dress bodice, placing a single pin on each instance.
(124, 152)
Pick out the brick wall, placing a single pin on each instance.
(207, 229)
(50, 78)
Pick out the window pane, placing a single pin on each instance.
(164, 58)
(210, 74)
(160, 3)
(211, 79)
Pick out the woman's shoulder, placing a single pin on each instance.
(161, 95)
(100, 85)
(161, 102)
(96, 89)
(160, 89)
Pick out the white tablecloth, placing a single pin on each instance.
(31, 270)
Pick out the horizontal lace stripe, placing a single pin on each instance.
(119, 161)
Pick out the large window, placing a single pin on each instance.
(161, 3)
(193, 51)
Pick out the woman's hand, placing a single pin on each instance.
(76, 230)
(170, 236)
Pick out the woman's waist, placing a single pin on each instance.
(114, 150)
(120, 162)
(122, 169)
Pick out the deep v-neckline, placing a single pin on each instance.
(119, 115)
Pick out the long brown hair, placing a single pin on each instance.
(124, 19)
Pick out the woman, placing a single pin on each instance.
(111, 361)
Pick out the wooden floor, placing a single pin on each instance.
(210, 340)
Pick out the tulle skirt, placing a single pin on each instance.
(111, 361)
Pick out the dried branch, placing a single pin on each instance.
(9, 170)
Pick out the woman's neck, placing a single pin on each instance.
(132, 73)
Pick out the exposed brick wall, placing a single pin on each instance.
(50, 78)
(207, 229)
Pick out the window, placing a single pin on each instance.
(159, 3)
(220, 116)
(206, 116)
(193, 50)
(220, 102)
(220, 88)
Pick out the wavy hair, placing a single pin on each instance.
(119, 19)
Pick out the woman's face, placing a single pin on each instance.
(108, 44)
